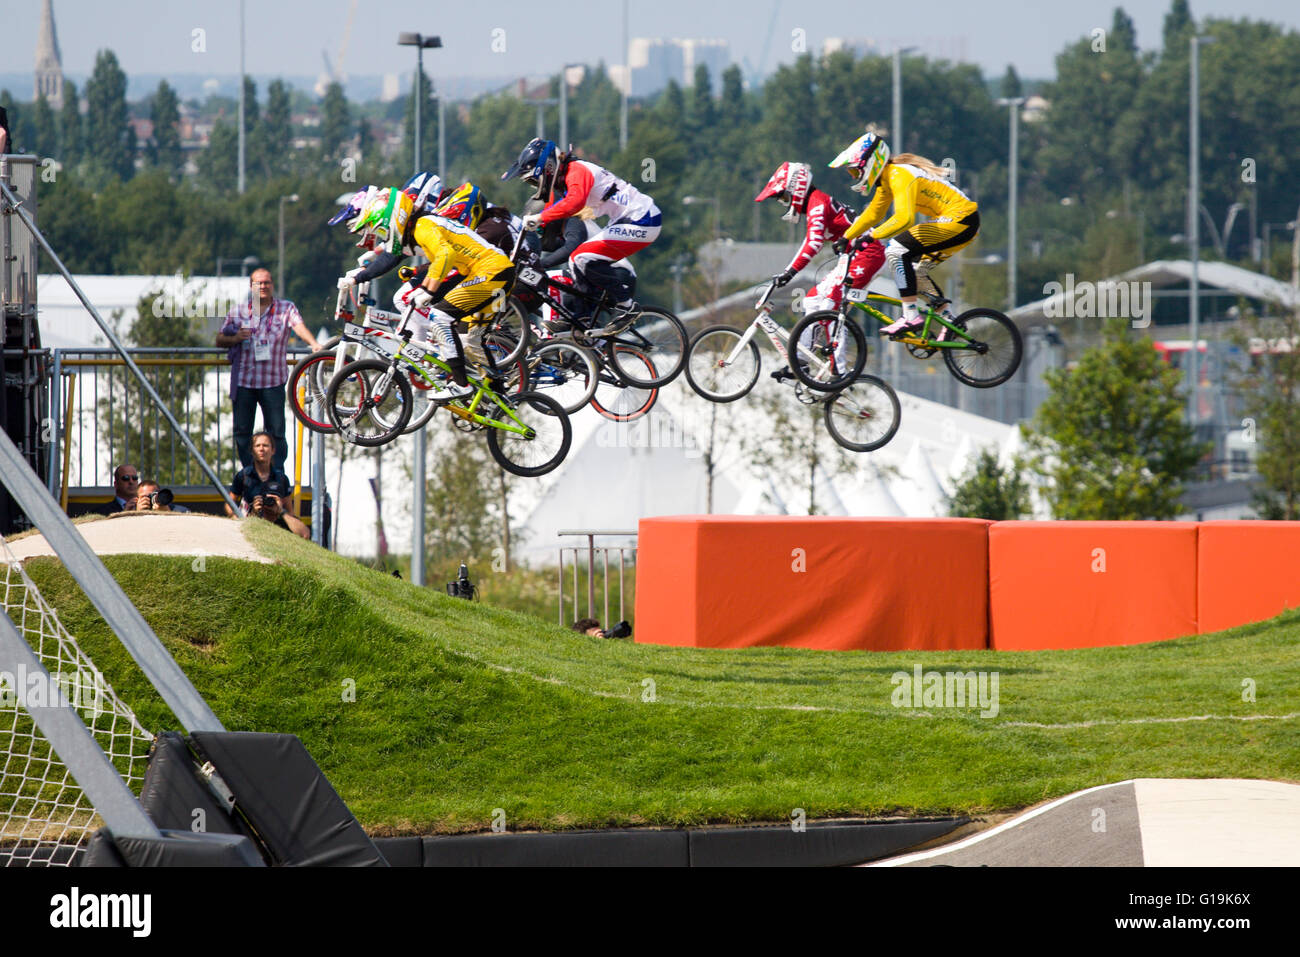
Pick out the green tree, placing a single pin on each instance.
(703, 113)
(1011, 85)
(44, 129)
(1272, 389)
(1178, 24)
(335, 122)
(107, 132)
(989, 491)
(276, 131)
(164, 150)
(1111, 439)
(218, 164)
(71, 126)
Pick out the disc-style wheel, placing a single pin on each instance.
(368, 403)
(658, 336)
(565, 371)
(864, 416)
(994, 353)
(827, 350)
(545, 445)
(618, 401)
(716, 370)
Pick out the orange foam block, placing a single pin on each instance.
(1247, 571)
(717, 581)
(1088, 584)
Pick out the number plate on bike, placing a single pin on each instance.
(414, 353)
(530, 276)
(856, 295)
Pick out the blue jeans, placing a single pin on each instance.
(272, 402)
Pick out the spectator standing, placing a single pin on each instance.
(126, 482)
(257, 334)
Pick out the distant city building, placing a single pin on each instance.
(391, 88)
(49, 64)
(654, 61)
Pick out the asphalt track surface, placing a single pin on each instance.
(1140, 823)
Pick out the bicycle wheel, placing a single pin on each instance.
(540, 452)
(306, 389)
(565, 371)
(656, 335)
(512, 327)
(620, 402)
(368, 403)
(994, 354)
(422, 405)
(710, 373)
(863, 416)
(832, 353)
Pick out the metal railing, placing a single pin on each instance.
(591, 550)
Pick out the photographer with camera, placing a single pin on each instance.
(272, 504)
(590, 626)
(250, 481)
(154, 498)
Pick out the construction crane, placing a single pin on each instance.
(334, 72)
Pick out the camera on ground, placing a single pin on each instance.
(622, 630)
(462, 587)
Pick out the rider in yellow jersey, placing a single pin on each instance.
(912, 184)
(487, 274)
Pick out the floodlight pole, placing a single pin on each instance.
(421, 450)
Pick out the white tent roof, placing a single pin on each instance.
(65, 323)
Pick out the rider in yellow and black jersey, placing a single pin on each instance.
(487, 274)
(912, 184)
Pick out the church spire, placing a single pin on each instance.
(49, 64)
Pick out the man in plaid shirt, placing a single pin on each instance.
(257, 335)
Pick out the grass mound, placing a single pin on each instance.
(428, 714)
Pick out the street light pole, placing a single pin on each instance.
(627, 83)
(241, 97)
(279, 279)
(420, 42)
(1193, 219)
(1014, 103)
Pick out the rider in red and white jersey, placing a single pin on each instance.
(575, 187)
(792, 185)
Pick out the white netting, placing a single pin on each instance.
(44, 814)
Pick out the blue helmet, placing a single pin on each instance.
(537, 163)
(424, 190)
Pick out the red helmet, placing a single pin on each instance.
(790, 184)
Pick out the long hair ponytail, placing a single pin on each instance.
(913, 159)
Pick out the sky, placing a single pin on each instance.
(286, 37)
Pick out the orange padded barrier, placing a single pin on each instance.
(723, 581)
(1246, 571)
(1087, 584)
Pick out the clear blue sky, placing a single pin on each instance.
(286, 37)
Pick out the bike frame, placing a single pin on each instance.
(775, 334)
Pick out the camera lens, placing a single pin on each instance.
(163, 497)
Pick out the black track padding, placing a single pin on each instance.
(401, 851)
(173, 791)
(817, 845)
(187, 849)
(640, 848)
(300, 818)
(101, 852)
